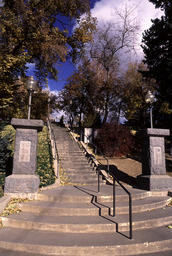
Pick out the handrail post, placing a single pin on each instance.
(98, 180)
(114, 198)
(130, 216)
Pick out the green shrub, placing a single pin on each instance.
(45, 159)
(7, 137)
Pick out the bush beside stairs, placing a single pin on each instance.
(76, 220)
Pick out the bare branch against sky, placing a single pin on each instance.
(142, 10)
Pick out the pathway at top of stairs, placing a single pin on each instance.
(76, 220)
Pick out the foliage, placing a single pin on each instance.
(7, 135)
(94, 89)
(13, 206)
(45, 159)
(78, 98)
(2, 180)
(85, 96)
(157, 48)
(134, 88)
(38, 32)
(114, 140)
(19, 107)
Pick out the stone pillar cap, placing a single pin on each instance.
(27, 123)
(158, 132)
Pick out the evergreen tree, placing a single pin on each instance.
(157, 47)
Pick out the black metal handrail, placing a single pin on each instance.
(114, 190)
(95, 151)
(130, 204)
(114, 200)
(54, 146)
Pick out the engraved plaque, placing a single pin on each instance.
(24, 151)
(157, 154)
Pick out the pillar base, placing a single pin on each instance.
(154, 182)
(21, 185)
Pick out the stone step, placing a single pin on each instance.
(84, 168)
(82, 175)
(85, 194)
(81, 158)
(71, 153)
(88, 224)
(90, 180)
(80, 171)
(70, 244)
(73, 165)
(93, 208)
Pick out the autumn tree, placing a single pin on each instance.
(133, 91)
(38, 32)
(79, 97)
(157, 47)
(109, 42)
(94, 89)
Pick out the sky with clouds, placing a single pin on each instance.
(142, 10)
(104, 10)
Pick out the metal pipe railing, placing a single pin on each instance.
(95, 151)
(114, 190)
(130, 204)
(114, 201)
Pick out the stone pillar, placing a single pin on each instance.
(153, 161)
(24, 182)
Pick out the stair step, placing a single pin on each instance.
(85, 194)
(54, 243)
(93, 208)
(88, 224)
(77, 220)
(75, 165)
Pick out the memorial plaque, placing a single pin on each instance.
(24, 151)
(157, 153)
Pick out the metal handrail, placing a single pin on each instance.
(130, 204)
(54, 147)
(114, 192)
(114, 200)
(91, 157)
(99, 151)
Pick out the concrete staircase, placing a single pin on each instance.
(76, 220)
(73, 162)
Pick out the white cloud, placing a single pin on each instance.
(143, 11)
(55, 92)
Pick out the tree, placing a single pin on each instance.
(134, 88)
(37, 32)
(157, 47)
(95, 88)
(78, 96)
(104, 52)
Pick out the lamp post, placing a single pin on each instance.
(150, 98)
(31, 87)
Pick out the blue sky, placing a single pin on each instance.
(144, 11)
